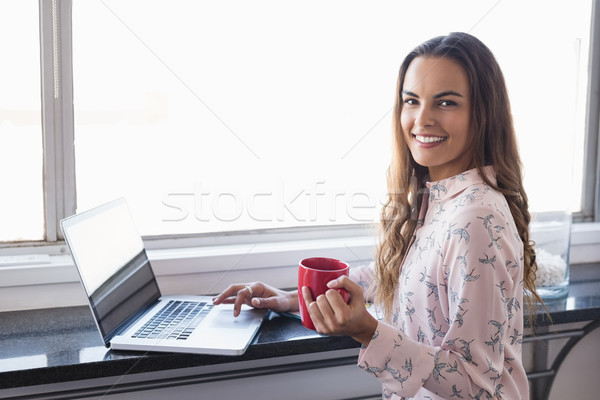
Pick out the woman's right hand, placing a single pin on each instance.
(258, 295)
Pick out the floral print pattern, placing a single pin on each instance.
(457, 325)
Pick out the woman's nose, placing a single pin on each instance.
(424, 117)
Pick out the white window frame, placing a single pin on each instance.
(57, 114)
(208, 263)
(591, 178)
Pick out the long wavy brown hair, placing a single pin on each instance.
(495, 144)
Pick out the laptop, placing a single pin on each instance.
(126, 302)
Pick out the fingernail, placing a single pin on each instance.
(332, 283)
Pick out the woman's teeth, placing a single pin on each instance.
(429, 139)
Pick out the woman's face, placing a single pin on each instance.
(436, 116)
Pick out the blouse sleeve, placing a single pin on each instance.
(480, 290)
(364, 276)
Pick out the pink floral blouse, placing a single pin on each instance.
(457, 325)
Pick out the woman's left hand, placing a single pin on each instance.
(332, 316)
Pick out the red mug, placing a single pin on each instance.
(315, 273)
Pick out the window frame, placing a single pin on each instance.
(57, 115)
(591, 176)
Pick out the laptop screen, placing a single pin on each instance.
(111, 260)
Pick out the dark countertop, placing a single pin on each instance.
(62, 345)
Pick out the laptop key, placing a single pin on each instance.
(176, 320)
(195, 322)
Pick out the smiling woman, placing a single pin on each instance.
(435, 262)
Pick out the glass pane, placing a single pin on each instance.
(546, 71)
(22, 212)
(222, 116)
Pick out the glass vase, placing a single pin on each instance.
(551, 232)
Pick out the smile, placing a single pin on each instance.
(429, 139)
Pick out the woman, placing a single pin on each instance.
(455, 258)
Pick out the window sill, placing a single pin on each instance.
(209, 269)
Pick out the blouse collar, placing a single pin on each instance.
(447, 188)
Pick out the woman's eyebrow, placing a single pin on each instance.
(447, 93)
(408, 93)
(437, 96)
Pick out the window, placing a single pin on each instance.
(233, 116)
(22, 211)
(213, 116)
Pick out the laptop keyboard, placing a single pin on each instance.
(177, 320)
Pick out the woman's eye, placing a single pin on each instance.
(410, 102)
(447, 103)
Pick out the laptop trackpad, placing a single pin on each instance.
(225, 319)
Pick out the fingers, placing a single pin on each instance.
(354, 289)
(327, 312)
(275, 303)
(331, 314)
(314, 311)
(257, 295)
(227, 295)
(307, 295)
(244, 296)
(237, 295)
